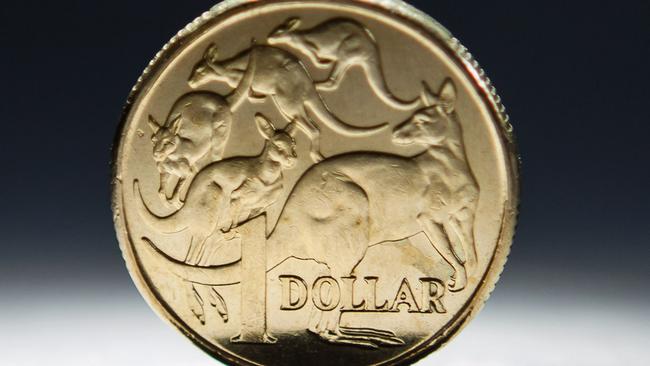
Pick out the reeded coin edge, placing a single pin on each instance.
(435, 33)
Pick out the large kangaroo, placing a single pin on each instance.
(340, 44)
(263, 71)
(228, 192)
(347, 203)
(194, 135)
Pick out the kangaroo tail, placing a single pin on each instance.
(377, 82)
(147, 252)
(168, 224)
(319, 108)
(228, 274)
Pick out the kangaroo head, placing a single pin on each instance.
(285, 33)
(208, 68)
(280, 145)
(432, 124)
(165, 138)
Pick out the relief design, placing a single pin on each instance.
(341, 206)
(263, 71)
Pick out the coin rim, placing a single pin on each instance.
(433, 31)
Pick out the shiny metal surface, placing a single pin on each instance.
(323, 182)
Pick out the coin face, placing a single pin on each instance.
(323, 182)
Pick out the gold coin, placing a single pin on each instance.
(322, 182)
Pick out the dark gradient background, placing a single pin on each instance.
(574, 75)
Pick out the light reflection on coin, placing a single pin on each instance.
(329, 182)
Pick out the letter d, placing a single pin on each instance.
(289, 301)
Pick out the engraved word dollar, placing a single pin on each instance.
(328, 293)
(327, 177)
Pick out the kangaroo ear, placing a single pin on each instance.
(290, 129)
(447, 96)
(428, 98)
(293, 24)
(211, 53)
(153, 124)
(175, 125)
(265, 126)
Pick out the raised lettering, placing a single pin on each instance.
(432, 292)
(326, 293)
(405, 296)
(348, 301)
(372, 298)
(289, 283)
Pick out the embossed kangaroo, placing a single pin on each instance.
(340, 44)
(263, 71)
(228, 192)
(347, 203)
(194, 135)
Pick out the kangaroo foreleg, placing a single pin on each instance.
(312, 53)
(464, 220)
(456, 240)
(182, 188)
(336, 76)
(164, 177)
(313, 133)
(226, 209)
(256, 97)
(168, 184)
(440, 241)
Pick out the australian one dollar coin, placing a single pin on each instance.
(315, 183)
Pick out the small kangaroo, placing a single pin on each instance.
(340, 44)
(347, 203)
(263, 71)
(194, 135)
(229, 192)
